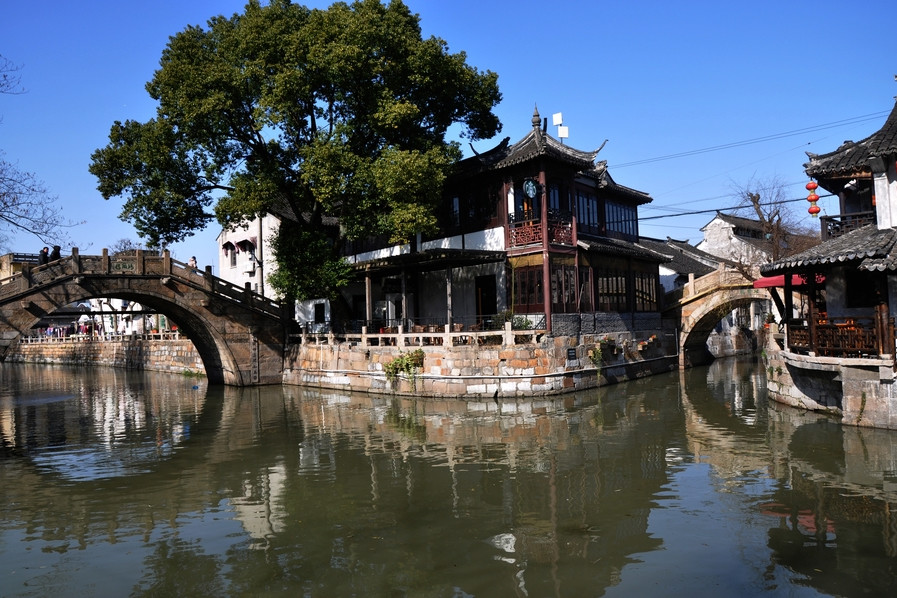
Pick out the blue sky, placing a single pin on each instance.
(745, 89)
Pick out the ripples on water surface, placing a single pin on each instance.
(119, 483)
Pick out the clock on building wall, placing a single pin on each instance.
(529, 188)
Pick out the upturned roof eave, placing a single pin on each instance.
(854, 157)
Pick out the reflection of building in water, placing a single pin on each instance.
(259, 509)
(555, 471)
(63, 414)
(827, 479)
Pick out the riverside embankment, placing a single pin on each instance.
(161, 352)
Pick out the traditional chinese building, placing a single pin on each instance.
(837, 352)
(536, 231)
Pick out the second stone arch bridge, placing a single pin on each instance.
(702, 303)
(238, 334)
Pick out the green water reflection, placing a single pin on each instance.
(119, 483)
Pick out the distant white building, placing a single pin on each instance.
(736, 239)
(244, 256)
(120, 316)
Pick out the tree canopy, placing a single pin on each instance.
(335, 120)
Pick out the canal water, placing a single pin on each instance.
(120, 483)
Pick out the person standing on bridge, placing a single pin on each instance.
(44, 256)
(191, 263)
(55, 254)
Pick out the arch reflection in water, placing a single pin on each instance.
(670, 484)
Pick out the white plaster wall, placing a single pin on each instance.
(246, 269)
(886, 197)
(720, 241)
(668, 278)
(305, 314)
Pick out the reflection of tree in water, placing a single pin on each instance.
(178, 568)
(555, 492)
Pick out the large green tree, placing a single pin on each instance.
(335, 120)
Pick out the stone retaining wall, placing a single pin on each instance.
(553, 366)
(858, 392)
(175, 356)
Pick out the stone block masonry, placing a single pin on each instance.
(553, 366)
(174, 356)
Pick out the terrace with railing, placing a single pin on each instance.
(496, 329)
(842, 337)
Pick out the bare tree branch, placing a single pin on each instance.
(783, 231)
(10, 80)
(25, 203)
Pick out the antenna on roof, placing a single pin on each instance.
(557, 119)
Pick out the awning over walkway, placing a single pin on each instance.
(779, 281)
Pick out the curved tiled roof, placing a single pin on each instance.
(535, 144)
(600, 174)
(869, 248)
(854, 157)
(682, 257)
(615, 247)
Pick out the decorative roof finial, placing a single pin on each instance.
(537, 120)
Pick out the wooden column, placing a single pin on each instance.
(368, 301)
(404, 300)
(811, 310)
(448, 295)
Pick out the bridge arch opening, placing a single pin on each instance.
(701, 324)
(239, 335)
(210, 347)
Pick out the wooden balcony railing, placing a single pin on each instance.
(842, 337)
(560, 228)
(526, 233)
(840, 224)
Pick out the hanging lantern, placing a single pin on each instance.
(813, 198)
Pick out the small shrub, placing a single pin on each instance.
(407, 363)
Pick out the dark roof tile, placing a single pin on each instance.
(869, 248)
(852, 157)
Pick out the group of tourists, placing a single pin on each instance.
(46, 256)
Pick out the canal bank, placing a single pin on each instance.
(549, 365)
(439, 367)
(167, 352)
(507, 363)
(858, 391)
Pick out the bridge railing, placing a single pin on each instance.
(720, 278)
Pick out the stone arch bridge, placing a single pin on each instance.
(702, 303)
(238, 334)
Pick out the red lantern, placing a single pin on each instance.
(813, 198)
